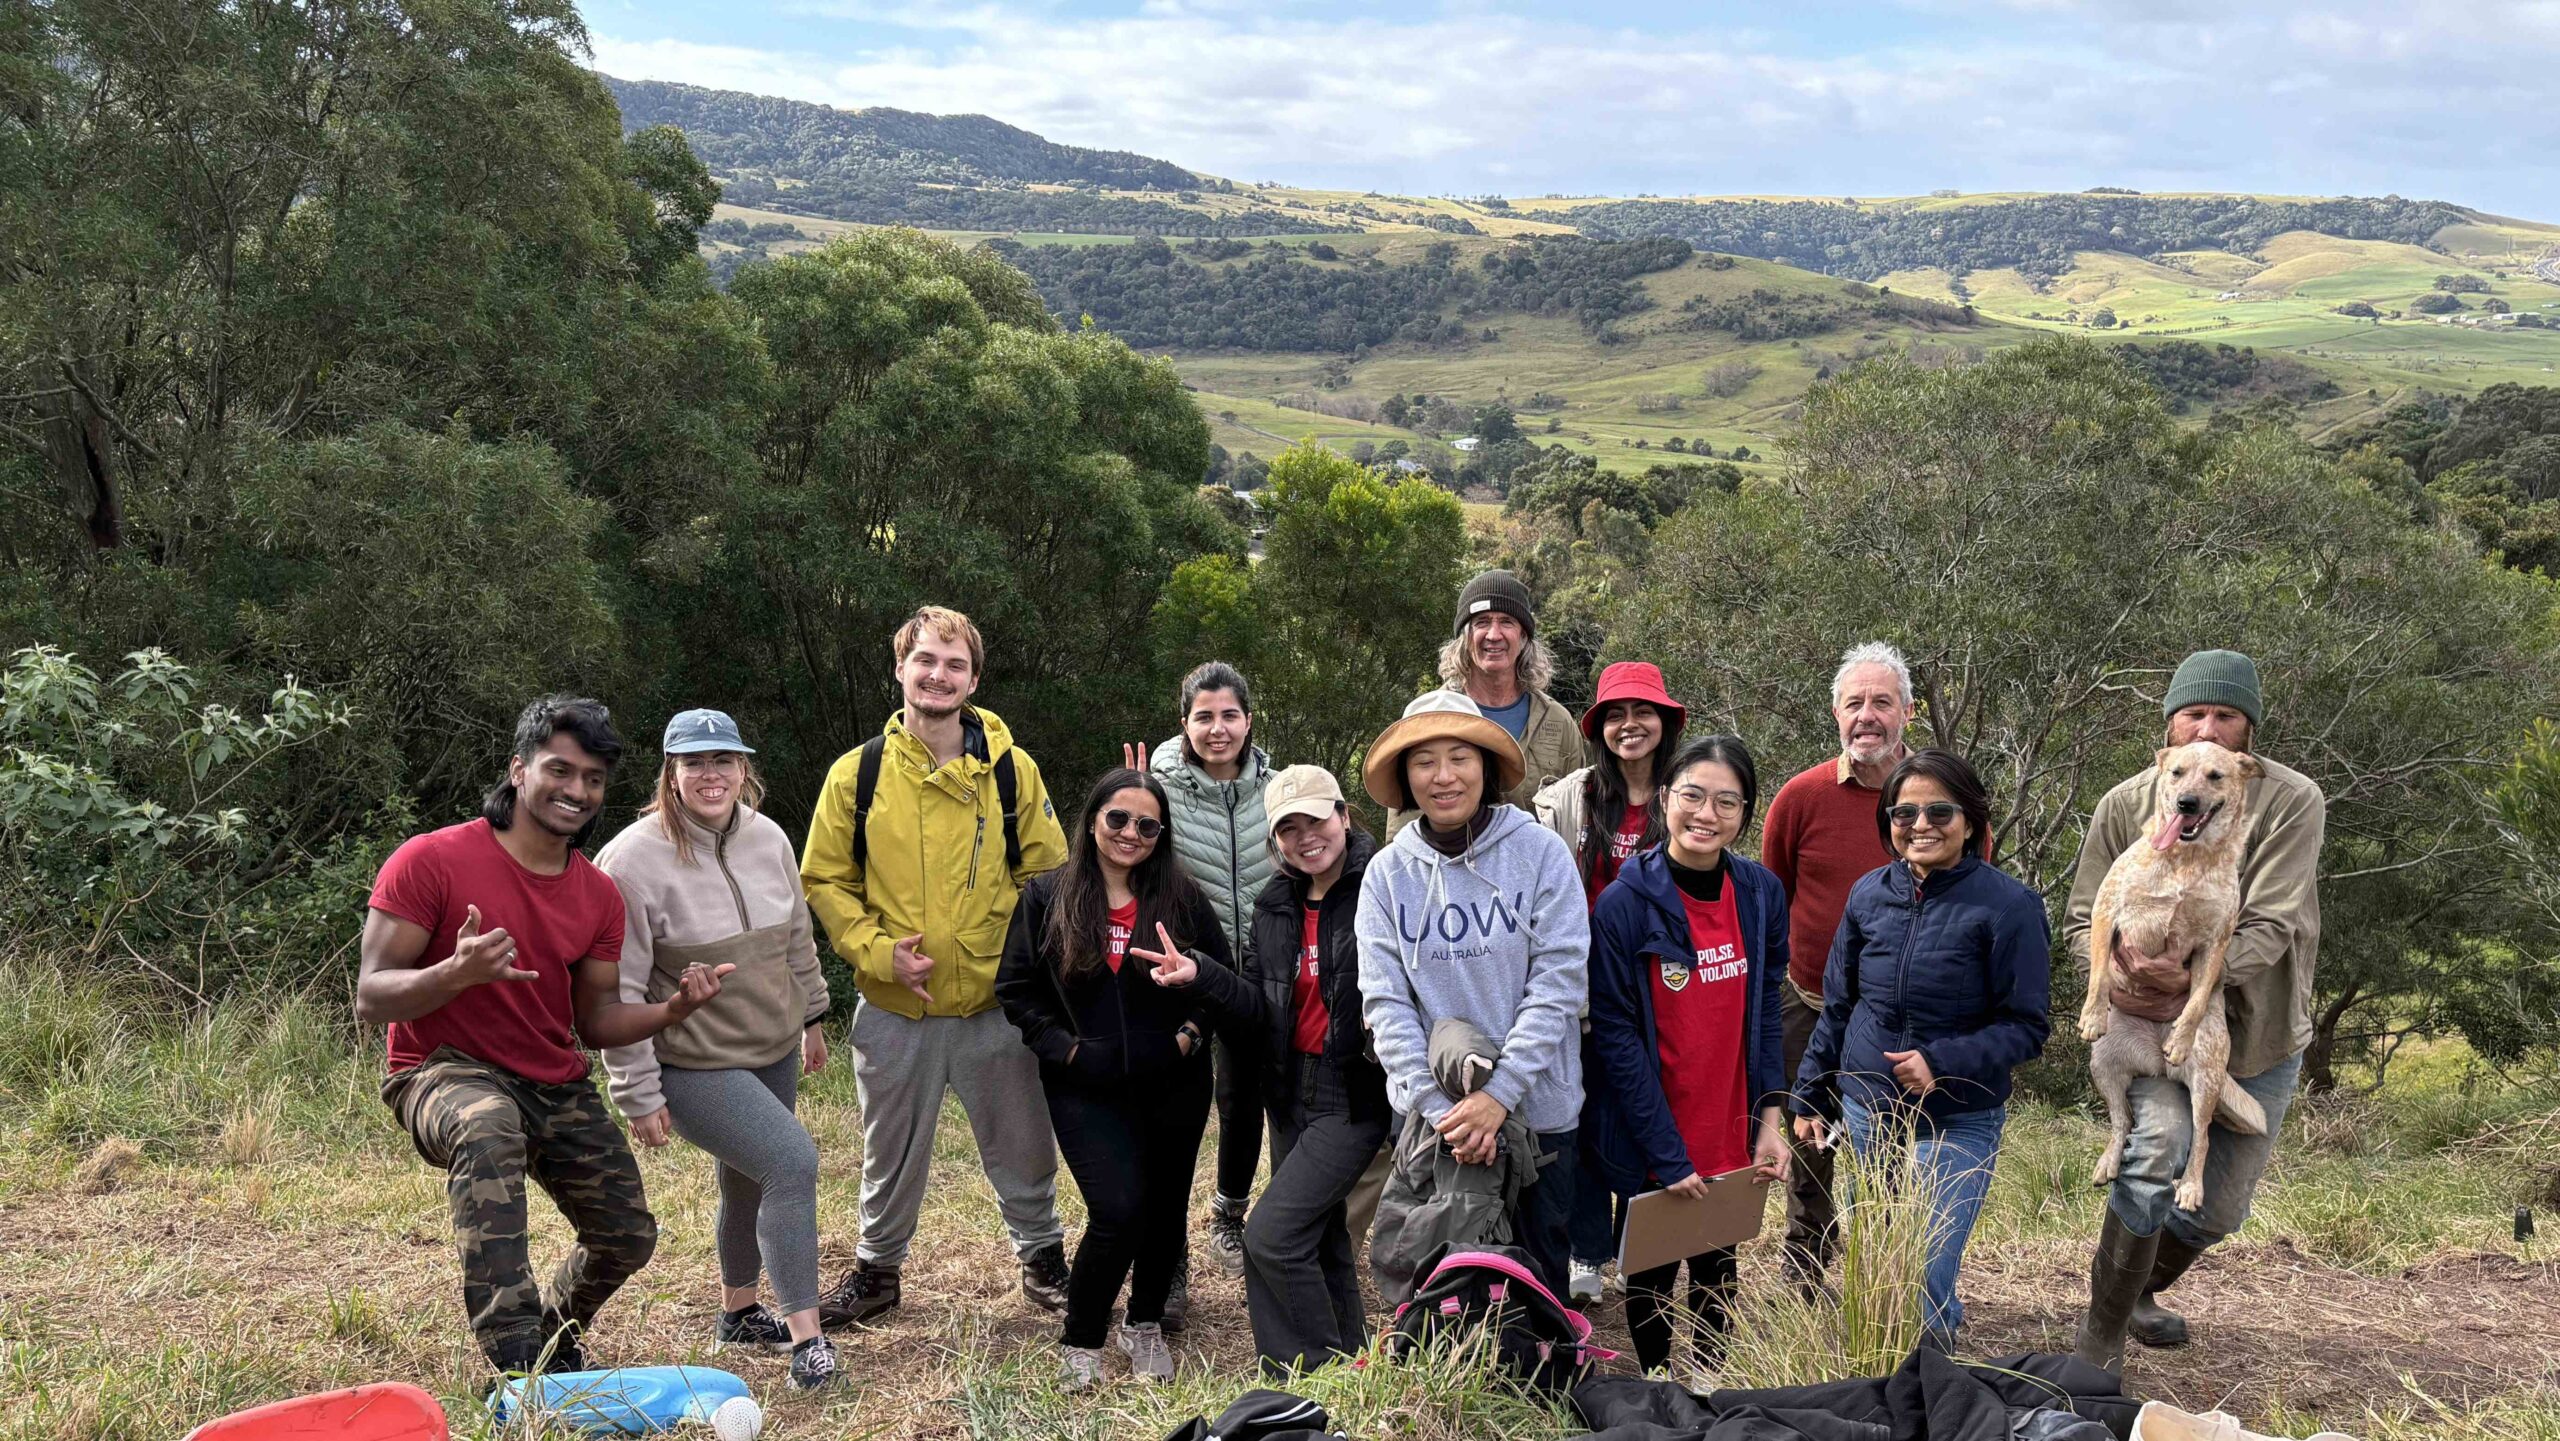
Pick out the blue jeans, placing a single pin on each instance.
(2155, 1156)
(1956, 1155)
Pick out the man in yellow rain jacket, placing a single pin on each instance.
(922, 839)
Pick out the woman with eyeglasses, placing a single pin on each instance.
(1116, 972)
(1688, 949)
(1936, 989)
(708, 879)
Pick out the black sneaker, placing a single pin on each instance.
(1177, 1301)
(753, 1327)
(1044, 1277)
(866, 1291)
(813, 1364)
(1226, 1233)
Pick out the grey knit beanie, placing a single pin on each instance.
(2215, 677)
(1496, 590)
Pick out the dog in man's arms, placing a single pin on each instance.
(2175, 893)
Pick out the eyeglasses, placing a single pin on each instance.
(723, 761)
(1727, 803)
(1147, 827)
(1940, 813)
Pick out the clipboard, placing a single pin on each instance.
(1662, 1227)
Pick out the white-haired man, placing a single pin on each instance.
(1820, 837)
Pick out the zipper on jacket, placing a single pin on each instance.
(977, 844)
(720, 853)
(1235, 881)
(1902, 965)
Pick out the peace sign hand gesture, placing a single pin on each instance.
(1133, 754)
(1172, 967)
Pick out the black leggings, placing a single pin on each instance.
(1650, 1308)
(1132, 1150)
(1239, 1116)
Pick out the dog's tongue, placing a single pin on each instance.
(2167, 835)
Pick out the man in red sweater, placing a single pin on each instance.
(1821, 836)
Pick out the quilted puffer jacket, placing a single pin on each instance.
(1218, 835)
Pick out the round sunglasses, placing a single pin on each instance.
(1147, 827)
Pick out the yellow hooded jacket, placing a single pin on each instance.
(935, 840)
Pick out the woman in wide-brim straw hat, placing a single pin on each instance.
(1475, 913)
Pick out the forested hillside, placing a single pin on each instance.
(937, 172)
(1150, 294)
(2038, 234)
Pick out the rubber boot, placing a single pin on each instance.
(2119, 1270)
(2153, 1324)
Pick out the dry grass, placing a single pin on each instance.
(273, 1234)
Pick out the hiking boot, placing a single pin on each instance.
(1177, 1301)
(1083, 1366)
(1226, 1233)
(753, 1327)
(813, 1364)
(865, 1292)
(2119, 1270)
(2153, 1324)
(1150, 1358)
(1044, 1277)
(1584, 1290)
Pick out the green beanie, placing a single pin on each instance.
(2215, 677)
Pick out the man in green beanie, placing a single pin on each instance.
(2146, 1243)
(1494, 659)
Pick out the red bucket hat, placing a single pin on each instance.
(1633, 680)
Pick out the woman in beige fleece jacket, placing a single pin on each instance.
(706, 878)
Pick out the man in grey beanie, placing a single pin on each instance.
(1494, 659)
(2146, 1243)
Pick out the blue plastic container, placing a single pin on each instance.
(630, 1400)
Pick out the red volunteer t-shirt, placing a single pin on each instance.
(1697, 1020)
(1312, 1016)
(1622, 844)
(1124, 919)
(528, 1027)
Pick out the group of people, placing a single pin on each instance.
(1212, 932)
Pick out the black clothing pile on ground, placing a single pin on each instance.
(2030, 1397)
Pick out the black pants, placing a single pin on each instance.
(1239, 1115)
(1545, 1219)
(1131, 1150)
(1301, 1285)
(1813, 1227)
(1651, 1309)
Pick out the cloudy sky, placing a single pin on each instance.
(2443, 100)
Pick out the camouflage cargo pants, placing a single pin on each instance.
(488, 1128)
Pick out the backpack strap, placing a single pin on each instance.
(866, 784)
(1008, 795)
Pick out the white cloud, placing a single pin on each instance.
(2443, 101)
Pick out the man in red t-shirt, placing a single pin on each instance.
(1820, 838)
(491, 949)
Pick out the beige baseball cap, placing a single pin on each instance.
(1300, 791)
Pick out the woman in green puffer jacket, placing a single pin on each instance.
(1214, 775)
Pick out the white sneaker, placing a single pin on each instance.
(1584, 1287)
(1149, 1357)
(1083, 1367)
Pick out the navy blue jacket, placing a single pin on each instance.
(1958, 968)
(1638, 922)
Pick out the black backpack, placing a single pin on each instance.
(866, 784)
(1491, 1291)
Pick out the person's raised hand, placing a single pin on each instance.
(1473, 1129)
(489, 955)
(1691, 1187)
(913, 968)
(652, 1129)
(695, 988)
(813, 1048)
(1912, 1069)
(1172, 967)
(1133, 754)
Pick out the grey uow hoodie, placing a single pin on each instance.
(1498, 936)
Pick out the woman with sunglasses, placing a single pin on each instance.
(1116, 971)
(1936, 989)
(1688, 949)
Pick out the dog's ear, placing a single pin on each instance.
(2250, 768)
(2160, 758)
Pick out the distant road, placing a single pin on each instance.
(2547, 269)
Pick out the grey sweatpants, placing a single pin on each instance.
(768, 1172)
(901, 1068)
